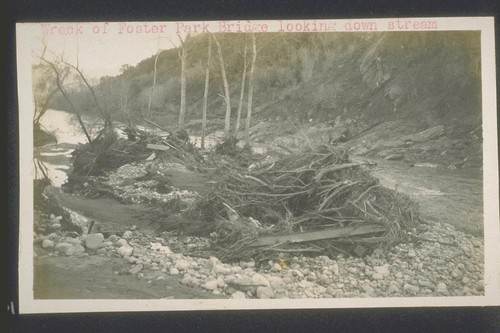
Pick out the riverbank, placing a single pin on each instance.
(132, 255)
(439, 261)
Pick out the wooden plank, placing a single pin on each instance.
(157, 147)
(319, 234)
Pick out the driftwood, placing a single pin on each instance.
(319, 235)
(315, 195)
(157, 147)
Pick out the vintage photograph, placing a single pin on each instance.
(253, 160)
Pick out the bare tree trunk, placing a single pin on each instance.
(154, 81)
(250, 91)
(242, 91)
(182, 113)
(205, 94)
(227, 97)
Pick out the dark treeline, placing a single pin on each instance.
(428, 76)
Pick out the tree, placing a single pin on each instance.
(125, 68)
(60, 70)
(148, 114)
(182, 56)
(250, 90)
(227, 97)
(205, 94)
(108, 124)
(44, 89)
(242, 91)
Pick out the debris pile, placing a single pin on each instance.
(132, 170)
(111, 151)
(316, 200)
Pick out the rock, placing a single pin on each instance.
(94, 241)
(244, 282)
(479, 286)
(275, 282)
(125, 250)
(221, 269)
(250, 264)
(187, 279)
(127, 234)
(333, 291)
(411, 288)
(140, 251)
(136, 269)
(297, 273)
(441, 288)
(276, 268)
(173, 271)
(411, 254)
(326, 280)
(75, 250)
(106, 244)
(335, 269)
(393, 289)
(220, 282)
(367, 288)
(182, 265)
(72, 240)
(52, 236)
(121, 242)
(264, 292)
(160, 248)
(305, 284)
(62, 247)
(259, 280)
(47, 244)
(477, 242)
(211, 285)
(238, 295)
(55, 226)
(425, 283)
(465, 280)
(113, 238)
(131, 259)
(236, 269)
(212, 263)
(456, 273)
(383, 270)
(102, 251)
(377, 276)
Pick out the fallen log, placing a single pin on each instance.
(319, 235)
(157, 147)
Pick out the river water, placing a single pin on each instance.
(450, 196)
(65, 127)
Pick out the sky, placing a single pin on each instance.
(99, 54)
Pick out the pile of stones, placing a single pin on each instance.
(443, 262)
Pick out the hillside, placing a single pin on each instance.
(376, 89)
